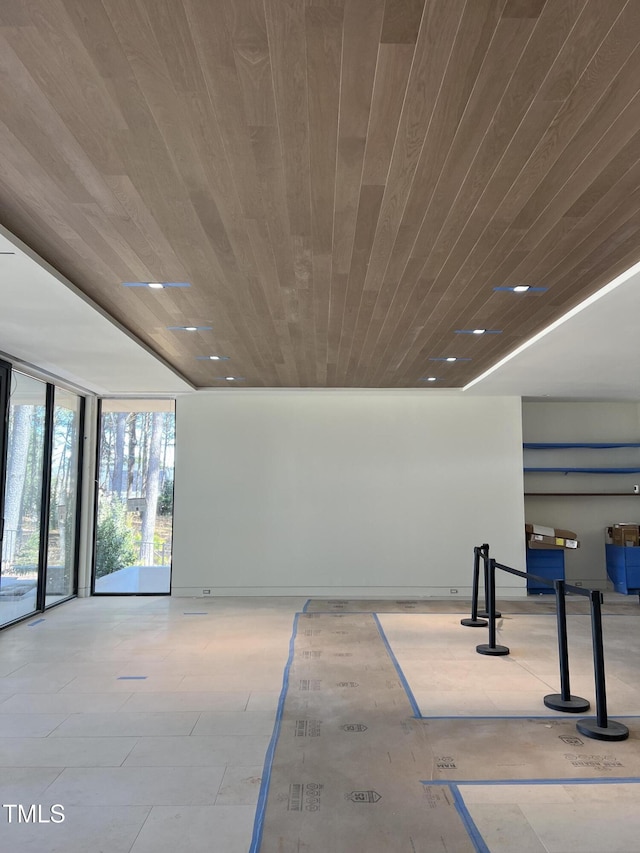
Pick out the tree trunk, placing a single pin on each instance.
(153, 489)
(118, 462)
(16, 476)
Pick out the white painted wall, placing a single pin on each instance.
(344, 492)
(587, 516)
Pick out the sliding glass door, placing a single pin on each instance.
(40, 437)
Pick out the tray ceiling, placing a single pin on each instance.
(342, 183)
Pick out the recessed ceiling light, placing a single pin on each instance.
(478, 331)
(522, 288)
(230, 378)
(156, 285)
(451, 358)
(428, 379)
(448, 358)
(190, 328)
(212, 357)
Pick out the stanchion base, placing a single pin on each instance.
(474, 623)
(572, 705)
(613, 730)
(485, 615)
(486, 649)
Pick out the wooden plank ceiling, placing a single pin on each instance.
(343, 183)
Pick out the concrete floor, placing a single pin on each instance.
(148, 720)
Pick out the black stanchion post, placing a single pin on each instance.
(474, 622)
(564, 701)
(600, 728)
(490, 591)
(484, 614)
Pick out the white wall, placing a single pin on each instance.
(344, 492)
(587, 516)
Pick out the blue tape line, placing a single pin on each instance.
(131, 677)
(604, 780)
(196, 613)
(472, 829)
(559, 716)
(256, 839)
(412, 699)
(37, 622)
(306, 605)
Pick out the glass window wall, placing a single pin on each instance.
(63, 501)
(19, 571)
(135, 497)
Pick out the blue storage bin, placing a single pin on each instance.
(548, 563)
(623, 568)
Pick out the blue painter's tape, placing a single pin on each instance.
(559, 716)
(37, 622)
(472, 829)
(604, 780)
(412, 699)
(196, 613)
(306, 605)
(256, 839)
(131, 677)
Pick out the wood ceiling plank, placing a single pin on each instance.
(362, 24)
(13, 13)
(350, 155)
(247, 26)
(361, 32)
(304, 287)
(523, 8)
(368, 211)
(321, 308)
(324, 28)
(401, 21)
(217, 60)
(263, 251)
(271, 177)
(37, 122)
(324, 48)
(392, 76)
(339, 287)
(169, 24)
(286, 32)
(139, 217)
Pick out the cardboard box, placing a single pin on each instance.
(539, 536)
(537, 540)
(625, 533)
(550, 531)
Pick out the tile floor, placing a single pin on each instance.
(148, 719)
